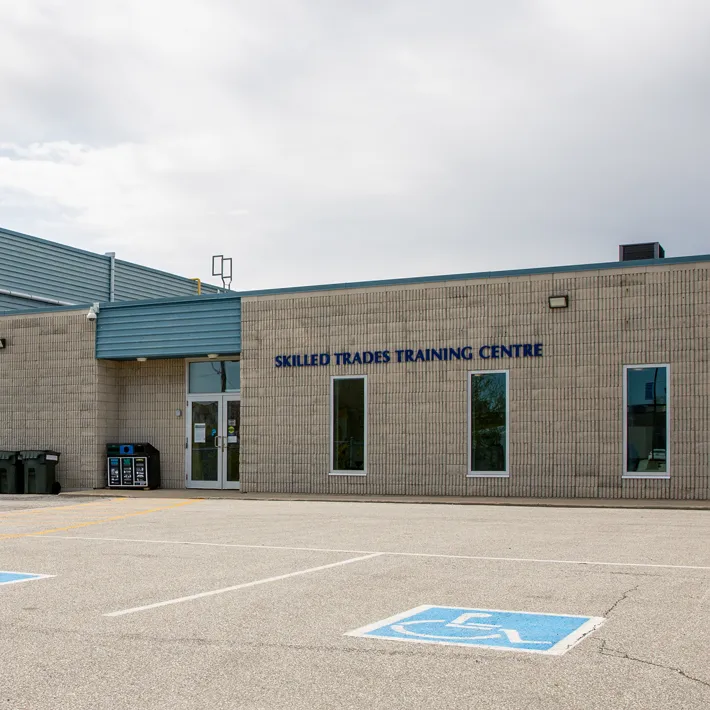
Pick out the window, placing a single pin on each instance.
(488, 423)
(348, 411)
(213, 376)
(646, 421)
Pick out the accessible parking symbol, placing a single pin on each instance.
(14, 577)
(530, 632)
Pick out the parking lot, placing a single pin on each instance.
(189, 603)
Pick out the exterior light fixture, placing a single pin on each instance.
(558, 301)
(212, 356)
(141, 359)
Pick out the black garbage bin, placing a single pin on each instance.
(39, 471)
(11, 480)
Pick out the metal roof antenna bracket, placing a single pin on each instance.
(222, 267)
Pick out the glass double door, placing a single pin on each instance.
(213, 441)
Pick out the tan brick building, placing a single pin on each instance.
(587, 381)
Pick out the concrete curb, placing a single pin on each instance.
(649, 504)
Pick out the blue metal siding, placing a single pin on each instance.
(185, 327)
(9, 304)
(134, 282)
(43, 268)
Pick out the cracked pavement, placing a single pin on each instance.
(281, 644)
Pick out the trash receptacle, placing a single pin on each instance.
(11, 480)
(133, 466)
(39, 471)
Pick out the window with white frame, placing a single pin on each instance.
(646, 421)
(488, 423)
(348, 428)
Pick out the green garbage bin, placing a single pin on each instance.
(11, 480)
(39, 471)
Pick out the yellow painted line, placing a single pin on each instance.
(9, 536)
(13, 513)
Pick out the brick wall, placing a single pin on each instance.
(49, 389)
(54, 394)
(565, 408)
(149, 393)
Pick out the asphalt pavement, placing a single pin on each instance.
(190, 604)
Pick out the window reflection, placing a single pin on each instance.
(214, 376)
(349, 424)
(488, 422)
(646, 419)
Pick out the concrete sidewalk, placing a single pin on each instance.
(440, 500)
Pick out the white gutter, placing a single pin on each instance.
(40, 299)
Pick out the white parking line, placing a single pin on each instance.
(246, 585)
(534, 560)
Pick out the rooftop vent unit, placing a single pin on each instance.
(634, 252)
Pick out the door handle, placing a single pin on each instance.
(216, 441)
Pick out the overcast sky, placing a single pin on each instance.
(336, 140)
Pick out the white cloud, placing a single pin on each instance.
(342, 141)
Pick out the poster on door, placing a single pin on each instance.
(232, 432)
(199, 435)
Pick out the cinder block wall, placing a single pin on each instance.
(49, 390)
(566, 408)
(54, 394)
(148, 394)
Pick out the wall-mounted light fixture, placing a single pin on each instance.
(212, 356)
(558, 301)
(142, 359)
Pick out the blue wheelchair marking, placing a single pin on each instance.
(11, 577)
(552, 634)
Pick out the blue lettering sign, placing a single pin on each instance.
(446, 354)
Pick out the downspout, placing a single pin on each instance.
(111, 276)
(40, 299)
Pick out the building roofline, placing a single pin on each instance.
(481, 275)
(136, 303)
(163, 273)
(410, 281)
(44, 309)
(51, 243)
(107, 258)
